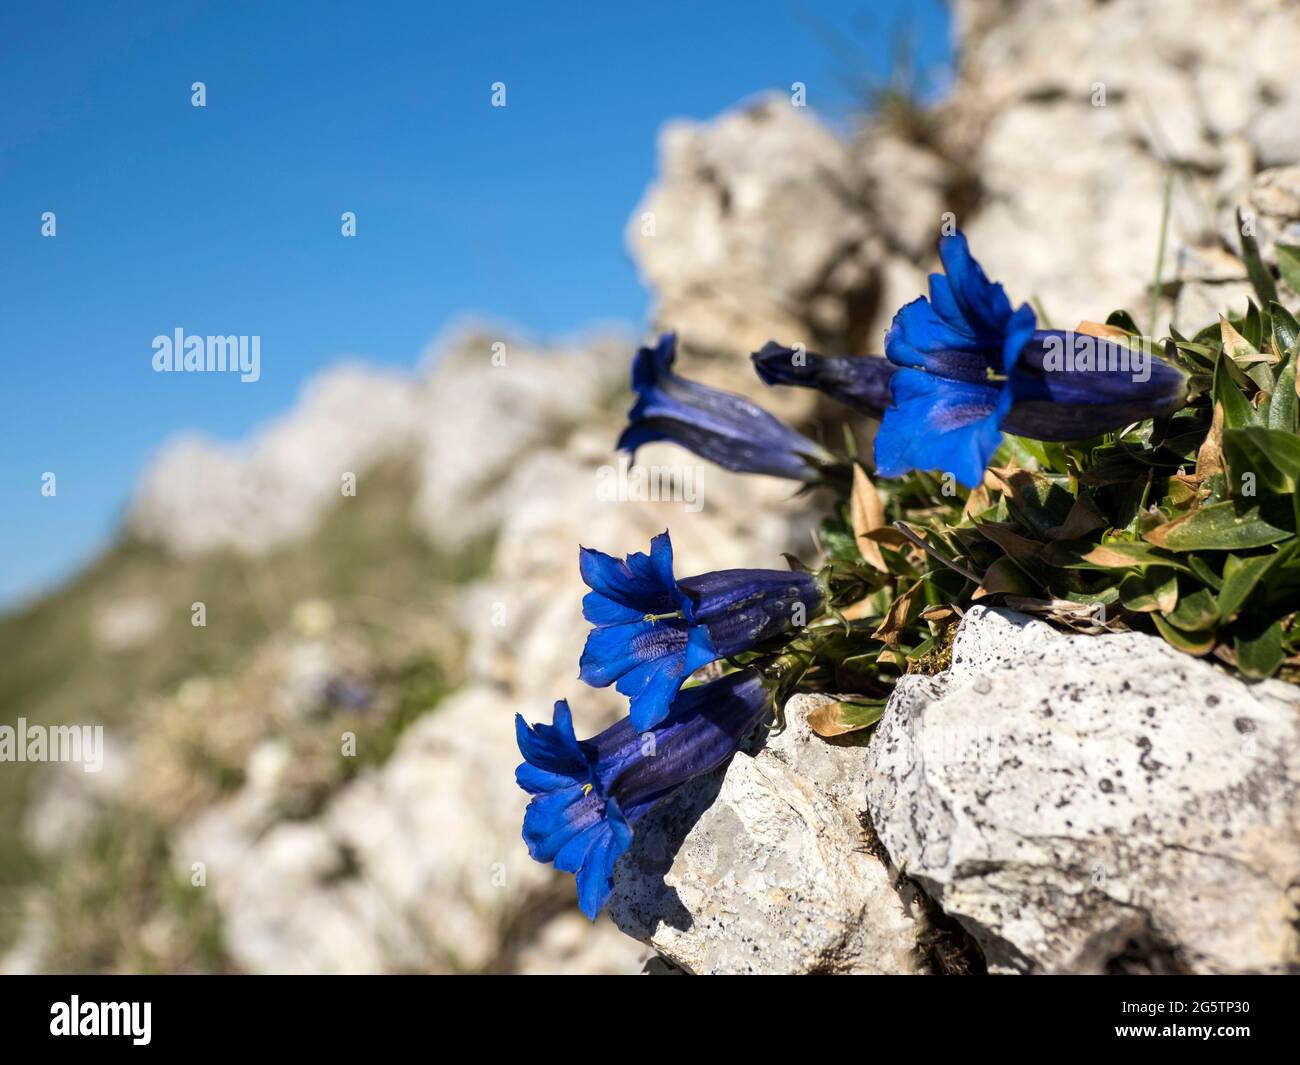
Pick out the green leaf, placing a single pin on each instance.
(1237, 410)
(1209, 336)
(857, 670)
(1194, 643)
(1237, 342)
(1108, 595)
(1282, 407)
(1015, 545)
(1038, 502)
(1262, 374)
(1286, 331)
(1149, 591)
(1200, 356)
(1288, 261)
(1121, 554)
(1197, 612)
(838, 540)
(1258, 273)
(1046, 456)
(1228, 526)
(846, 715)
(1252, 327)
(1240, 575)
(1004, 577)
(1204, 572)
(1270, 457)
(1259, 651)
(1123, 320)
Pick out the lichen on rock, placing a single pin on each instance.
(1095, 803)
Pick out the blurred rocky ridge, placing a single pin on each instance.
(201, 496)
(1071, 114)
(763, 223)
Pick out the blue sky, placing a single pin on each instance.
(225, 219)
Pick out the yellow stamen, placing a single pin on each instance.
(586, 789)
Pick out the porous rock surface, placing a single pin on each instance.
(1070, 115)
(766, 868)
(761, 225)
(1095, 803)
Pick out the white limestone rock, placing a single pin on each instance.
(487, 403)
(570, 945)
(1070, 113)
(484, 399)
(416, 865)
(765, 867)
(200, 495)
(756, 229)
(1090, 803)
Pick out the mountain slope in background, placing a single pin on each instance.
(232, 828)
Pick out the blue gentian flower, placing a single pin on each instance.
(1047, 403)
(1054, 402)
(724, 428)
(860, 382)
(653, 631)
(957, 349)
(589, 794)
(970, 367)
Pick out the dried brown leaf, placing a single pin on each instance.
(1100, 329)
(1012, 543)
(896, 617)
(867, 514)
(1209, 460)
(835, 719)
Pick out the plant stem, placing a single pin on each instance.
(1160, 252)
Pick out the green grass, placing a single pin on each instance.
(378, 572)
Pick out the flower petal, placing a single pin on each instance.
(983, 304)
(552, 748)
(641, 582)
(722, 427)
(553, 818)
(946, 306)
(612, 651)
(740, 607)
(940, 424)
(596, 877)
(860, 382)
(535, 780)
(570, 857)
(919, 338)
(651, 689)
(707, 724)
(1019, 329)
(583, 827)
(1071, 386)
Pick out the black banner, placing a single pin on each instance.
(340, 1014)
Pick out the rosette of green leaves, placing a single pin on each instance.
(1184, 525)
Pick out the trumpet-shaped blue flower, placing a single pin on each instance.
(860, 382)
(589, 794)
(1071, 386)
(1052, 398)
(652, 631)
(956, 350)
(724, 428)
(970, 367)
